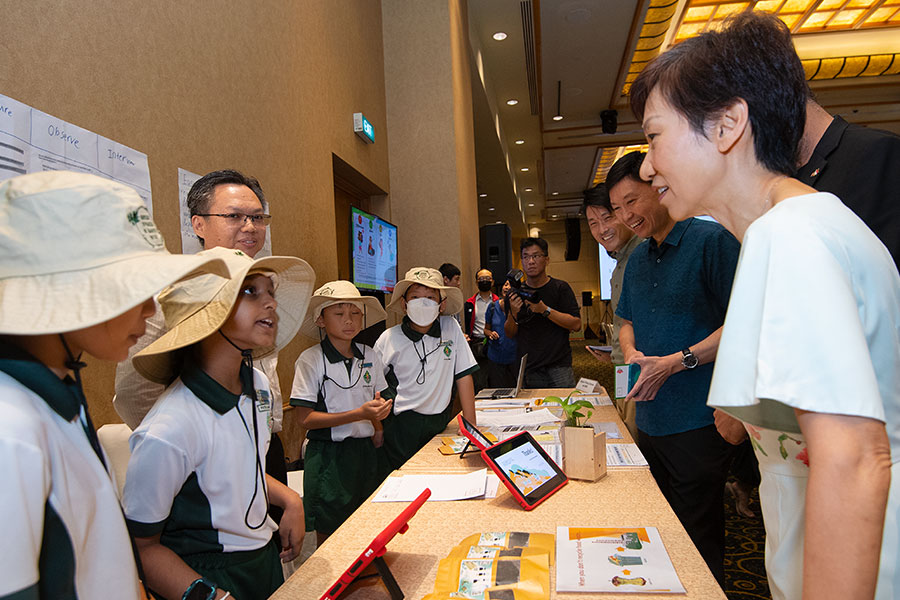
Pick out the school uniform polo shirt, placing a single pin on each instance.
(675, 294)
(422, 367)
(327, 381)
(62, 530)
(193, 471)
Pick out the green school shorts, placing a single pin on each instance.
(249, 575)
(337, 479)
(407, 432)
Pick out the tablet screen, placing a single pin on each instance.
(524, 464)
(472, 432)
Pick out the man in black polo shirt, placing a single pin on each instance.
(541, 324)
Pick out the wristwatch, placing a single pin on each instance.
(689, 360)
(200, 589)
(546, 313)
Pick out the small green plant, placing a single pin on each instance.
(571, 408)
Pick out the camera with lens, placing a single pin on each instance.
(516, 279)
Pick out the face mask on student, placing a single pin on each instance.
(484, 286)
(422, 311)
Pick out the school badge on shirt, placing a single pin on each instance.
(264, 404)
(448, 350)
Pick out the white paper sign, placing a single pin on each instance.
(588, 386)
(32, 141)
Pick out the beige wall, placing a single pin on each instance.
(265, 87)
(431, 151)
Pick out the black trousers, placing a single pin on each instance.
(690, 469)
(277, 468)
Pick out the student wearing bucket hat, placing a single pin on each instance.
(338, 390)
(423, 357)
(80, 259)
(196, 493)
(227, 210)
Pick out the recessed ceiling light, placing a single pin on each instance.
(499, 36)
(524, 169)
(512, 101)
(531, 204)
(520, 142)
(499, 221)
(492, 208)
(528, 189)
(554, 216)
(557, 117)
(482, 195)
(555, 194)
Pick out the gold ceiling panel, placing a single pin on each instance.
(801, 16)
(653, 33)
(608, 158)
(852, 66)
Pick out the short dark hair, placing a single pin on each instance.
(596, 196)
(449, 270)
(627, 166)
(534, 241)
(750, 57)
(201, 193)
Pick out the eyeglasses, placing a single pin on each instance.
(239, 219)
(532, 257)
(485, 279)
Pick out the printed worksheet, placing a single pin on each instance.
(614, 559)
(32, 141)
(624, 455)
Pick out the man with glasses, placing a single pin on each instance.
(227, 210)
(541, 314)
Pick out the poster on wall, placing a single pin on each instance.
(190, 243)
(32, 141)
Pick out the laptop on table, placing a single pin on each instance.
(495, 393)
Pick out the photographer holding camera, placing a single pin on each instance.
(541, 311)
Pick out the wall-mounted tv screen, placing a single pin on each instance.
(373, 251)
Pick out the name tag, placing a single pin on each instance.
(264, 401)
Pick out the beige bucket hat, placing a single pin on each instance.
(77, 250)
(340, 292)
(429, 278)
(197, 308)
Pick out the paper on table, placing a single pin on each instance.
(609, 428)
(510, 417)
(624, 455)
(596, 399)
(407, 488)
(614, 559)
(493, 484)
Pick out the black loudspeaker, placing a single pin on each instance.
(573, 238)
(496, 251)
(587, 298)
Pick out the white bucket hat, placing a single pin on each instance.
(197, 308)
(429, 278)
(77, 250)
(340, 292)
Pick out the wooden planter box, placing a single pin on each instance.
(584, 453)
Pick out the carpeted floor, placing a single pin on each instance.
(745, 537)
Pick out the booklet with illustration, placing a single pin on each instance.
(614, 559)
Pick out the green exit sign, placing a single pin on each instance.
(363, 128)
